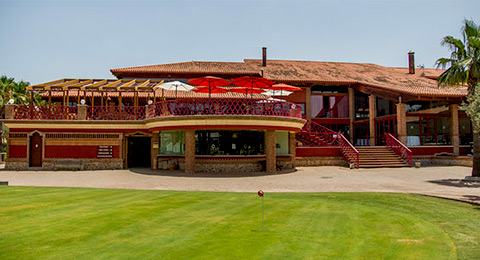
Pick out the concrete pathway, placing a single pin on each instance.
(435, 181)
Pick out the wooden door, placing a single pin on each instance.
(138, 154)
(36, 150)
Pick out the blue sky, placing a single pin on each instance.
(47, 40)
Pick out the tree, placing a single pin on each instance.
(464, 68)
(9, 89)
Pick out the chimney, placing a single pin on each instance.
(411, 62)
(264, 56)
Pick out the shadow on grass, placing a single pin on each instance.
(456, 183)
(177, 173)
(473, 198)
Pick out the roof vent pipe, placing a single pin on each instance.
(264, 56)
(411, 62)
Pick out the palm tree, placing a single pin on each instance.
(464, 67)
(9, 89)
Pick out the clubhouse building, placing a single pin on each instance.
(356, 114)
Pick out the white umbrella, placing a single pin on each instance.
(271, 92)
(268, 100)
(176, 85)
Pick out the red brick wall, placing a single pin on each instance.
(17, 151)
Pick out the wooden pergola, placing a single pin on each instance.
(97, 88)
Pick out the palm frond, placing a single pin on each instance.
(471, 29)
(443, 62)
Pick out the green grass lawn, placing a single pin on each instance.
(79, 223)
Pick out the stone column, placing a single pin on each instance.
(82, 112)
(401, 123)
(372, 113)
(149, 111)
(154, 150)
(270, 151)
(189, 151)
(292, 147)
(454, 129)
(9, 111)
(308, 102)
(351, 111)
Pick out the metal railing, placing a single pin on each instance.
(224, 106)
(399, 148)
(348, 151)
(179, 107)
(316, 135)
(27, 112)
(116, 113)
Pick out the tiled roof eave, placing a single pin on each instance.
(412, 93)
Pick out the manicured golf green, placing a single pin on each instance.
(79, 223)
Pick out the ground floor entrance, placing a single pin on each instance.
(138, 152)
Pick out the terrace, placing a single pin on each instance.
(160, 109)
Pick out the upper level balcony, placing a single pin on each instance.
(162, 109)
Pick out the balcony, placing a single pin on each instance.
(162, 109)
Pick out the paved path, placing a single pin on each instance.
(435, 181)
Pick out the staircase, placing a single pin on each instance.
(379, 156)
(395, 154)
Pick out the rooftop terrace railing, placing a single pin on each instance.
(179, 107)
(224, 106)
(26, 112)
(116, 113)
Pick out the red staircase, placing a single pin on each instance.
(395, 154)
(316, 135)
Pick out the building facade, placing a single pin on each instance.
(131, 122)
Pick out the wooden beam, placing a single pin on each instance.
(95, 85)
(126, 85)
(111, 84)
(63, 84)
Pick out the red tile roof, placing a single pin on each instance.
(395, 80)
(190, 67)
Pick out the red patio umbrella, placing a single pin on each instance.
(210, 83)
(210, 90)
(252, 82)
(247, 91)
(283, 87)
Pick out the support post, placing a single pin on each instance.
(454, 130)
(401, 123)
(189, 151)
(271, 152)
(10, 111)
(82, 112)
(351, 111)
(155, 149)
(308, 102)
(372, 113)
(292, 147)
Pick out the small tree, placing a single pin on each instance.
(464, 68)
(9, 89)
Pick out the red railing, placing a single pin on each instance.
(314, 135)
(348, 151)
(45, 112)
(399, 148)
(116, 113)
(224, 106)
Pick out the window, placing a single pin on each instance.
(282, 143)
(428, 130)
(172, 142)
(465, 131)
(224, 142)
